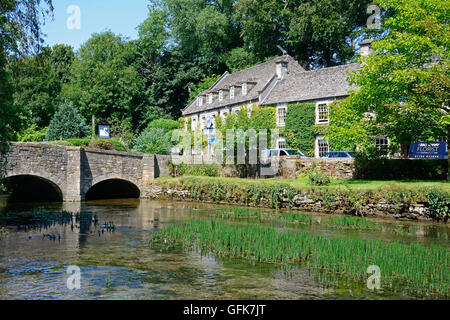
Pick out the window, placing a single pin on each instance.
(322, 114)
(203, 123)
(200, 101)
(281, 116)
(244, 89)
(381, 142)
(210, 98)
(281, 143)
(220, 95)
(231, 92)
(322, 146)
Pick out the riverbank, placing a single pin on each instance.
(398, 199)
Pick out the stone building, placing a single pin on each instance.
(278, 82)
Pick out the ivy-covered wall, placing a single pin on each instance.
(300, 127)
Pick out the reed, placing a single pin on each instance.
(294, 217)
(347, 222)
(417, 269)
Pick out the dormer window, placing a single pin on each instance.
(220, 95)
(210, 98)
(244, 89)
(200, 101)
(231, 92)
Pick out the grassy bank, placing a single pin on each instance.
(418, 269)
(352, 197)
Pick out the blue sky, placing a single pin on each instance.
(119, 16)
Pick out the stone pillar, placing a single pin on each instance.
(148, 168)
(73, 178)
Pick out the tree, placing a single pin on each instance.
(104, 82)
(19, 33)
(67, 123)
(153, 141)
(38, 81)
(403, 87)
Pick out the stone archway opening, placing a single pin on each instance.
(29, 188)
(113, 189)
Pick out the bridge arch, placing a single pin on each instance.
(26, 187)
(112, 187)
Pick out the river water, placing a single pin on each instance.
(120, 264)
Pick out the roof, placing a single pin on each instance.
(313, 85)
(264, 86)
(258, 77)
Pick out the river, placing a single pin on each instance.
(120, 264)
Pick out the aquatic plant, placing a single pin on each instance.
(294, 217)
(412, 267)
(351, 223)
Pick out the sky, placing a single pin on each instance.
(75, 20)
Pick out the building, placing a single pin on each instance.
(278, 82)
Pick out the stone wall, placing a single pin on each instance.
(292, 167)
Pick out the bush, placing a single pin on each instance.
(318, 178)
(67, 123)
(32, 134)
(79, 142)
(399, 169)
(168, 125)
(207, 170)
(439, 204)
(153, 141)
(62, 143)
(101, 144)
(118, 145)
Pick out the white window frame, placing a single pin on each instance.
(281, 143)
(232, 92)
(379, 146)
(280, 107)
(210, 98)
(318, 105)
(317, 151)
(220, 95)
(244, 89)
(200, 101)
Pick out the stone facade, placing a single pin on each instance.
(74, 170)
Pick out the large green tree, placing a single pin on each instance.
(104, 83)
(38, 80)
(19, 33)
(403, 87)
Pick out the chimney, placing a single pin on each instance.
(282, 68)
(365, 48)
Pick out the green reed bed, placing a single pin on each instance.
(295, 217)
(348, 222)
(238, 213)
(418, 269)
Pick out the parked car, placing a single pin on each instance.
(339, 154)
(282, 153)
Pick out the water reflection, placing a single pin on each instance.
(34, 267)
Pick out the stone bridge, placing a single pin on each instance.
(35, 170)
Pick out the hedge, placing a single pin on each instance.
(400, 169)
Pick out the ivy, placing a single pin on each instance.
(300, 127)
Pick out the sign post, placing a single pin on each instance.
(104, 130)
(426, 150)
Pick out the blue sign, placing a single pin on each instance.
(426, 150)
(104, 131)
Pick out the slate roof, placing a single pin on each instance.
(295, 86)
(313, 85)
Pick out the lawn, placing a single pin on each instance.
(335, 184)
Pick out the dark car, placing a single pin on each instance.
(339, 154)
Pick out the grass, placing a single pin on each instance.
(294, 217)
(420, 270)
(361, 185)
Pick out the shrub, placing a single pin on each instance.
(153, 141)
(61, 143)
(101, 144)
(168, 125)
(439, 204)
(67, 123)
(33, 134)
(318, 178)
(118, 145)
(79, 142)
(206, 170)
